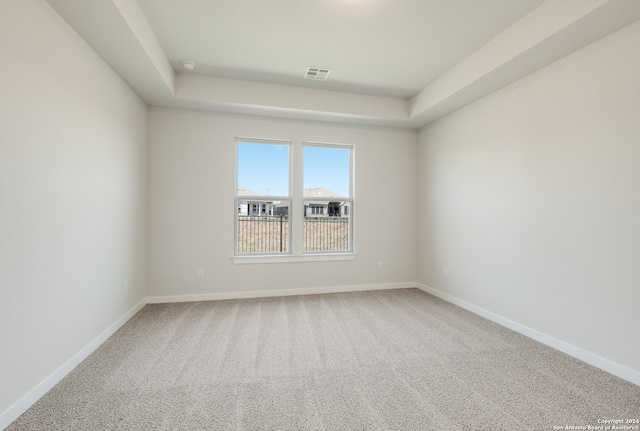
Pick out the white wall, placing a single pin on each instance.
(72, 199)
(191, 206)
(531, 199)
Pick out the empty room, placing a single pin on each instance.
(330, 215)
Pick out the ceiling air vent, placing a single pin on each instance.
(317, 73)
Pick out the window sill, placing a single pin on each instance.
(328, 257)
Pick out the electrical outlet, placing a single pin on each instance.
(445, 271)
(380, 265)
(126, 285)
(200, 272)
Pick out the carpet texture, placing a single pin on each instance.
(383, 360)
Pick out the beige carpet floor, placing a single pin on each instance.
(383, 360)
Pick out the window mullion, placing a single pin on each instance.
(297, 209)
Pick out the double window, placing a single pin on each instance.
(284, 208)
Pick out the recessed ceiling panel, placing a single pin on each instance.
(381, 47)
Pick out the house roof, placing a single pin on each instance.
(316, 192)
(401, 63)
(319, 192)
(246, 192)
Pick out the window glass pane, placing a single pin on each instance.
(327, 199)
(262, 223)
(327, 170)
(263, 169)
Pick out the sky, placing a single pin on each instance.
(264, 168)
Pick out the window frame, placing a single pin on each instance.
(296, 201)
(351, 149)
(262, 198)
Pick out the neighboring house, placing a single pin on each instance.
(318, 208)
(324, 208)
(281, 208)
(249, 207)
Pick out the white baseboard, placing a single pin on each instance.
(280, 292)
(13, 412)
(597, 361)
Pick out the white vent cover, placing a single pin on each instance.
(317, 73)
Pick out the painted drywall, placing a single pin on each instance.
(191, 205)
(530, 199)
(72, 197)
